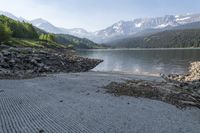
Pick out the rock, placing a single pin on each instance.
(193, 75)
(12, 61)
(27, 62)
(5, 52)
(188, 82)
(41, 131)
(1, 57)
(163, 91)
(198, 91)
(34, 61)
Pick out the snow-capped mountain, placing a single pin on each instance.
(127, 28)
(77, 32)
(45, 25)
(119, 29)
(10, 15)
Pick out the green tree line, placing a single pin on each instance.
(165, 39)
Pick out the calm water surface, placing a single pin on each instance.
(143, 61)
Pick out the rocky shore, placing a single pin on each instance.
(190, 81)
(179, 90)
(29, 62)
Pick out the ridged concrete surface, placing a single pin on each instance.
(76, 103)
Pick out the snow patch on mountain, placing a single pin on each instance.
(161, 26)
(138, 25)
(182, 19)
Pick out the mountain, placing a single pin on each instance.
(75, 42)
(25, 34)
(165, 39)
(143, 25)
(124, 28)
(121, 29)
(45, 25)
(10, 15)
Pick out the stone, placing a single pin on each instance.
(198, 91)
(22, 62)
(12, 61)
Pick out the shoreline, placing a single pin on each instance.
(31, 62)
(111, 49)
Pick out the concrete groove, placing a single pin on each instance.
(71, 124)
(11, 116)
(36, 109)
(25, 118)
(102, 124)
(76, 124)
(47, 113)
(22, 116)
(30, 124)
(41, 122)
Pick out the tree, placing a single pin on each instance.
(46, 37)
(41, 37)
(5, 33)
(50, 37)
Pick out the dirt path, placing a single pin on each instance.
(77, 103)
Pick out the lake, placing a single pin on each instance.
(143, 61)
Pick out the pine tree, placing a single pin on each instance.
(5, 33)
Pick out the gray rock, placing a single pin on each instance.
(19, 62)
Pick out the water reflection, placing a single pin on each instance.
(144, 61)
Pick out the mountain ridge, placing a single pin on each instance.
(120, 29)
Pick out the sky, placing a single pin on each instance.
(94, 15)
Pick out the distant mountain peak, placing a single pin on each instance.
(8, 15)
(41, 20)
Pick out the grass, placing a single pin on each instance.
(16, 42)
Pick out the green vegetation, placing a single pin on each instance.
(19, 42)
(47, 37)
(19, 29)
(5, 33)
(166, 39)
(23, 34)
(79, 43)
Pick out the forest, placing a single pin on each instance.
(165, 39)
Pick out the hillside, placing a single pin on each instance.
(26, 51)
(165, 39)
(18, 33)
(72, 41)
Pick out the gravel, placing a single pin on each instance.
(77, 103)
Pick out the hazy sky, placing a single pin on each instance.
(95, 14)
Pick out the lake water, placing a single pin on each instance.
(144, 61)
